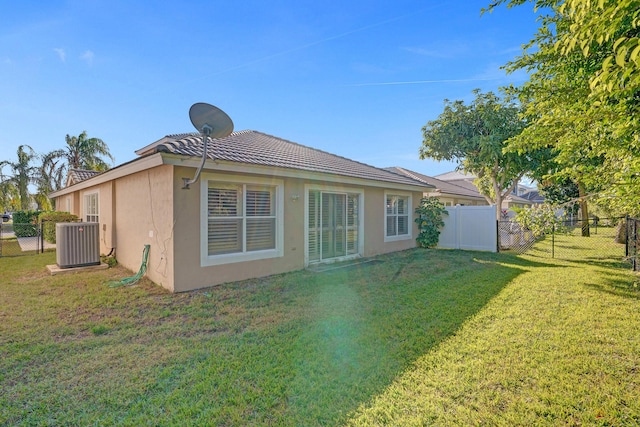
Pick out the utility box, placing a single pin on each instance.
(78, 244)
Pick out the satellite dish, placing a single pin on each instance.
(211, 122)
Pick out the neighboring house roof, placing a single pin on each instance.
(257, 148)
(442, 186)
(75, 176)
(466, 181)
(518, 199)
(463, 183)
(455, 175)
(533, 196)
(470, 186)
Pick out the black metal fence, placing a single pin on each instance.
(566, 240)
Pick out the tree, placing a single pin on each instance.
(82, 152)
(8, 193)
(561, 192)
(23, 174)
(475, 135)
(50, 177)
(583, 96)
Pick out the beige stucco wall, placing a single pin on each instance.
(374, 213)
(150, 207)
(190, 275)
(144, 215)
(105, 211)
(133, 211)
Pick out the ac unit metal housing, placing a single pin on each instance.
(78, 244)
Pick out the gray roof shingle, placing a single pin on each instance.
(257, 148)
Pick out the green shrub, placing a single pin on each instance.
(50, 219)
(429, 221)
(25, 223)
(109, 260)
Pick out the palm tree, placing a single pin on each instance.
(23, 174)
(8, 192)
(50, 177)
(82, 152)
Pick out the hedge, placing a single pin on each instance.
(50, 220)
(25, 223)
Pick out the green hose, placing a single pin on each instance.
(128, 281)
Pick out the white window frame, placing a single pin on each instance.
(409, 215)
(230, 258)
(85, 208)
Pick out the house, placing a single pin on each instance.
(450, 194)
(533, 196)
(465, 180)
(262, 205)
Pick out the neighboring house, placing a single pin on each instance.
(262, 205)
(466, 181)
(449, 194)
(533, 196)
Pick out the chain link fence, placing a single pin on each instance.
(24, 239)
(606, 236)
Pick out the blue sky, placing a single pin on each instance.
(354, 78)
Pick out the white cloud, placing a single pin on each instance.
(61, 53)
(88, 56)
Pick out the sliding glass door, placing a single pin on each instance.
(333, 225)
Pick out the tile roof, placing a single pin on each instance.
(455, 175)
(534, 196)
(443, 186)
(257, 148)
(75, 176)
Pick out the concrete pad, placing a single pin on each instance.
(54, 269)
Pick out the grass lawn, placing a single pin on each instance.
(441, 337)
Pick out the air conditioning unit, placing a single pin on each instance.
(78, 244)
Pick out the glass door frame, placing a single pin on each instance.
(356, 229)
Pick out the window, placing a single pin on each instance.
(243, 222)
(397, 226)
(91, 211)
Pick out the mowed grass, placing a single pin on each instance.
(425, 337)
(289, 350)
(558, 346)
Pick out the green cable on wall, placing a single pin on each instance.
(128, 281)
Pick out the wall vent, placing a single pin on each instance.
(78, 244)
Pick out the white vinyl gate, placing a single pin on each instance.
(470, 227)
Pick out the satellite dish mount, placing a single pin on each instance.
(211, 122)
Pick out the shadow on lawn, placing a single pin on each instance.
(369, 322)
(294, 349)
(618, 284)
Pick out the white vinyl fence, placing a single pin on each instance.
(470, 227)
